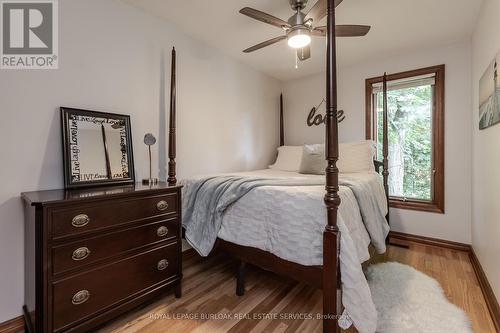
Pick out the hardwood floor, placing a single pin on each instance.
(209, 287)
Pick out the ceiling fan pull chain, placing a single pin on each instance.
(296, 61)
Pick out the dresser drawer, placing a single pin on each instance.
(91, 250)
(83, 295)
(89, 217)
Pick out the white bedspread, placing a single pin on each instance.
(288, 221)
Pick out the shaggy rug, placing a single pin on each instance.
(410, 301)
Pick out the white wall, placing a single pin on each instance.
(301, 95)
(485, 151)
(110, 59)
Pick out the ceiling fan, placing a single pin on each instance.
(300, 27)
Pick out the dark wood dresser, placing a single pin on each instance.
(93, 254)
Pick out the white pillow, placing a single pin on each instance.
(313, 160)
(289, 158)
(353, 157)
(356, 156)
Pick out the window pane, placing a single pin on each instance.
(410, 141)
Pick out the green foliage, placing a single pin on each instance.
(410, 140)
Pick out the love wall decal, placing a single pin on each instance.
(314, 119)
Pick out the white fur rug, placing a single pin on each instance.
(410, 301)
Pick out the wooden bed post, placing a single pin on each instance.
(172, 180)
(385, 143)
(282, 127)
(331, 236)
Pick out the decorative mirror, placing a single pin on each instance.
(97, 148)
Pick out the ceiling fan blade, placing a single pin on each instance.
(264, 17)
(304, 53)
(318, 11)
(319, 31)
(264, 44)
(349, 30)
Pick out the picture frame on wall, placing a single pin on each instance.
(489, 95)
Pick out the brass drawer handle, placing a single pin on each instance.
(80, 253)
(80, 220)
(162, 264)
(162, 231)
(162, 205)
(80, 297)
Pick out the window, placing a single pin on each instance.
(415, 101)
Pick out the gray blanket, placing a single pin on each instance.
(205, 201)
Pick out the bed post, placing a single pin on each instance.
(282, 127)
(385, 143)
(331, 236)
(172, 180)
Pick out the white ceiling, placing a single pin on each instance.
(397, 26)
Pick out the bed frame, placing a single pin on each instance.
(327, 276)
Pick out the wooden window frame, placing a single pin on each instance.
(436, 205)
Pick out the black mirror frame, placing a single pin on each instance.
(68, 183)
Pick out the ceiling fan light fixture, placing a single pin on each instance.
(298, 38)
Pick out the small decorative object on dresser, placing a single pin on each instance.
(149, 140)
(92, 254)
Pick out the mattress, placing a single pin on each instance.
(289, 221)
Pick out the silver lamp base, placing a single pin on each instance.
(150, 181)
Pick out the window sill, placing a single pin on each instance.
(423, 206)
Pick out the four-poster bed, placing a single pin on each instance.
(328, 275)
